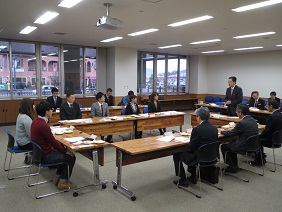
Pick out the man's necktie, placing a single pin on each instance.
(71, 105)
(256, 103)
(102, 110)
(55, 100)
(232, 90)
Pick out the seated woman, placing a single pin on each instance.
(24, 120)
(132, 108)
(155, 106)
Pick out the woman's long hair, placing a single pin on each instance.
(26, 107)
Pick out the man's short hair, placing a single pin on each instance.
(69, 94)
(203, 113)
(273, 103)
(54, 89)
(132, 97)
(109, 90)
(99, 95)
(243, 108)
(42, 107)
(130, 93)
(255, 92)
(272, 93)
(234, 79)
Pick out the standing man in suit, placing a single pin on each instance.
(70, 109)
(273, 96)
(101, 109)
(109, 99)
(255, 101)
(202, 134)
(55, 100)
(273, 123)
(245, 128)
(234, 96)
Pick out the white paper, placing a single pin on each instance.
(74, 139)
(182, 139)
(166, 138)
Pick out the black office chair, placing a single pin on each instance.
(36, 160)
(276, 143)
(12, 149)
(252, 147)
(207, 156)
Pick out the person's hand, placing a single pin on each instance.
(228, 102)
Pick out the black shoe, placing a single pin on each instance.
(230, 169)
(109, 140)
(161, 132)
(193, 180)
(258, 163)
(183, 183)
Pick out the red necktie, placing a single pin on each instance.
(102, 110)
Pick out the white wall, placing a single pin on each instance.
(260, 71)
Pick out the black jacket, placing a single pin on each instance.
(68, 113)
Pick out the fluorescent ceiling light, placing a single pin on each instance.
(279, 45)
(171, 46)
(69, 3)
(206, 41)
(209, 52)
(28, 30)
(248, 48)
(143, 32)
(257, 5)
(189, 21)
(111, 39)
(254, 35)
(46, 17)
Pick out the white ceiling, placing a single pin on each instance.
(79, 24)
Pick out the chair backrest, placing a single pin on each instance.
(146, 110)
(123, 112)
(223, 99)
(277, 138)
(37, 153)
(219, 103)
(245, 101)
(208, 153)
(216, 99)
(120, 103)
(252, 144)
(11, 139)
(80, 106)
(209, 99)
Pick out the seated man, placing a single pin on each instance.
(255, 101)
(125, 100)
(202, 134)
(108, 97)
(52, 150)
(245, 128)
(70, 110)
(101, 109)
(273, 96)
(55, 100)
(273, 123)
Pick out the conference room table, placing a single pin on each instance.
(126, 124)
(85, 112)
(93, 151)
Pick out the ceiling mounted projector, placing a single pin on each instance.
(107, 22)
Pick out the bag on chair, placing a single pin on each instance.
(210, 174)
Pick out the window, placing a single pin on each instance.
(90, 74)
(5, 80)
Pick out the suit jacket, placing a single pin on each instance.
(260, 104)
(68, 113)
(109, 100)
(152, 107)
(236, 98)
(277, 99)
(244, 129)
(59, 101)
(202, 134)
(273, 123)
(96, 110)
(129, 109)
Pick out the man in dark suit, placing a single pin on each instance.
(55, 100)
(109, 99)
(234, 96)
(273, 123)
(245, 128)
(70, 110)
(273, 96)
(255, 101)
(202, 134)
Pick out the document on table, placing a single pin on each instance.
(182, 139)
(166, 138)
(74, 139)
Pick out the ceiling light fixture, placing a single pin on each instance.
(111, 39)
(143, 32)
(206, 41)
(279, 45)
(171, 46)
(248, 48)
(46, 17)
(257, 5)
(209, 52)
(27, 30)
(190, 21)
(69, 3)
(254, 35)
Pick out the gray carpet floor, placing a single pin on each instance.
(151, 181)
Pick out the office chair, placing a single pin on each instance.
(207, 156)
(276, 143)
(208, 99)
(12, 149)
(146, 110)
(36, 161)
(216, 99)
(245, 101)
(252, 147)
(223, 99)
